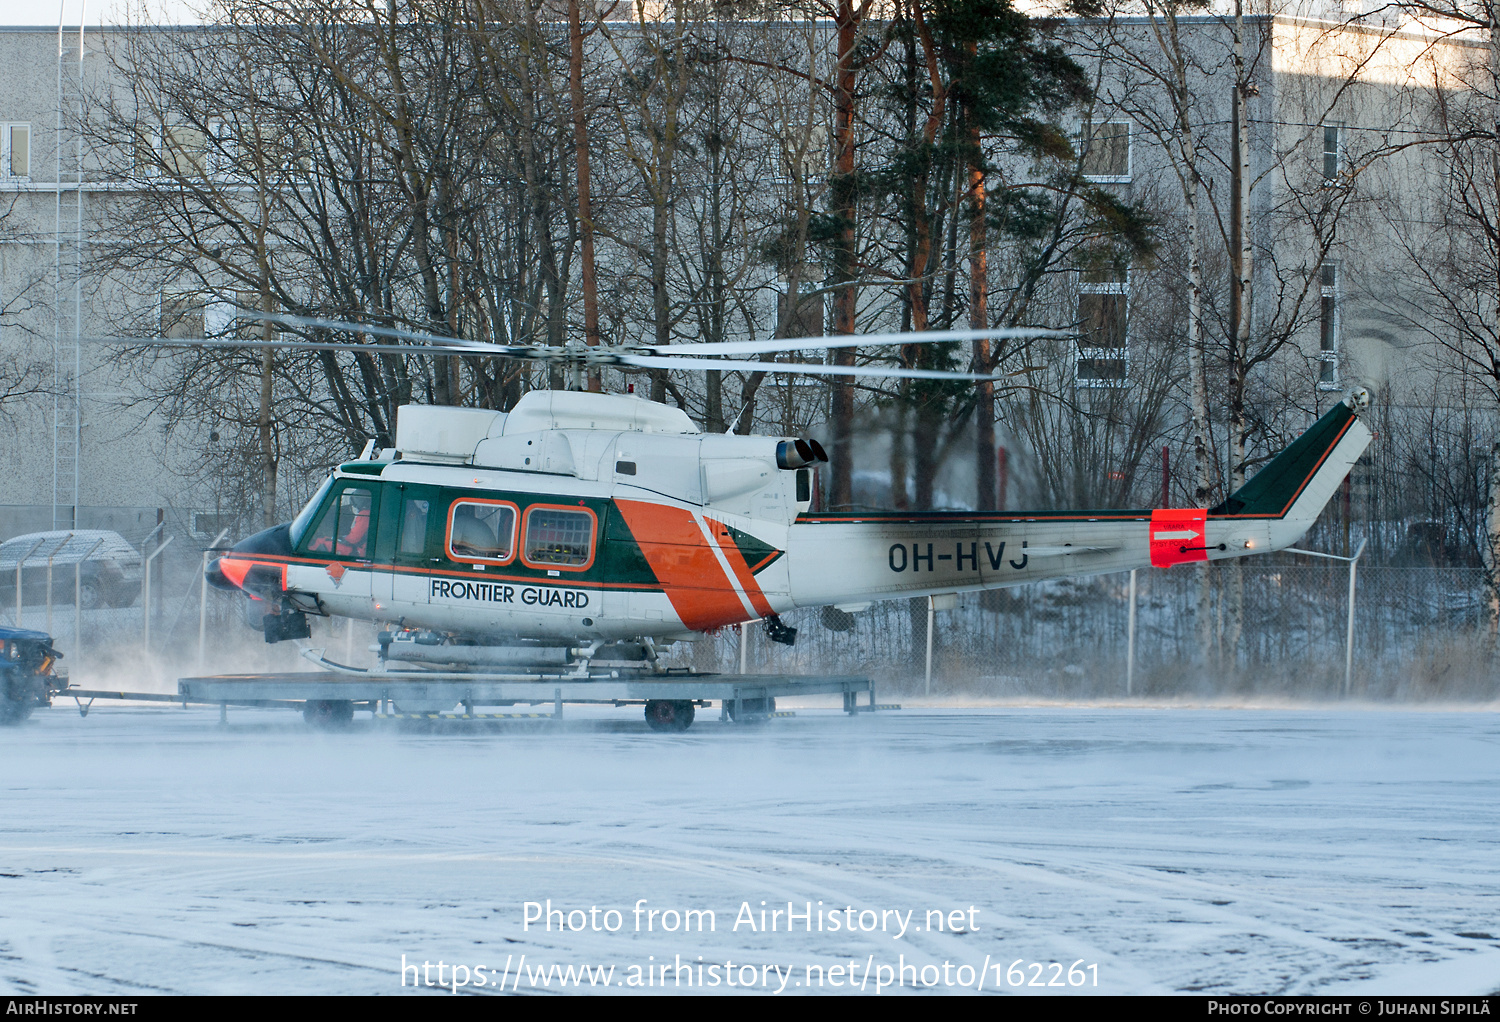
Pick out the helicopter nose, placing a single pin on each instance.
(218, 579)
(229, 571)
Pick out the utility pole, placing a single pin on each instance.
(842, 205)
(585, 203)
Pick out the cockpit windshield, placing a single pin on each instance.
(308, 513)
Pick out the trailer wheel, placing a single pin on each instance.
(669, 714)
(328, 714)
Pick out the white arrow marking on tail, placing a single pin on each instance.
(1179, 534)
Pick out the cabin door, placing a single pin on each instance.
(413, 543)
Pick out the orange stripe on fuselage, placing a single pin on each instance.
(235, 569)
(684, 564)
(741, 569)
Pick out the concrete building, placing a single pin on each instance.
(1336, 98)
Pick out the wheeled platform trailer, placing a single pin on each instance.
(670, 701)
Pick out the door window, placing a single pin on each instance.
(414, 513)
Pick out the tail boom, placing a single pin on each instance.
(850, 558)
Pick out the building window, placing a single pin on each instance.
(1332, 147)
(805, 320)
(804, 157)
(1328, 327)
(208, 524)
(1103, 358)
(147, 146)
(181, 315)
(179, 151)
(15, 150)
(242, 317)
(185, 151)
(1106, 154)
(221, 149)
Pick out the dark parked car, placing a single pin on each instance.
(27, 679)
(109, 574)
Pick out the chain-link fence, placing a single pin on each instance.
(1225, 629)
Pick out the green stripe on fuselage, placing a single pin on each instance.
(620, 558)
(756, 552)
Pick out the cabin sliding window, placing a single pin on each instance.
(559, 537)
(482, 530)
(344, 529)
(15, 150)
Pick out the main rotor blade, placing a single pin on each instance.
(399, 349)
(477, 347)
(779, 344)
(762, 347)
(554, 353)
(220, 342)
(813, 368)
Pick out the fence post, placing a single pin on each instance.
(744, 648)
(1130, 642)
(931, 623)
(51, 556)
(1349, 634)
(203, 598)
(19, 564)
(78, 597)
(146, 596)
(1349, 637)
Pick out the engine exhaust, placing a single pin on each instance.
(799, 453)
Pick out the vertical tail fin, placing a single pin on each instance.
(1299, 481)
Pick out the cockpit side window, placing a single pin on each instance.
(345, 528)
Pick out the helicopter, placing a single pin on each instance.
(582, 526)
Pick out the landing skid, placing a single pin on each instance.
(433, 651)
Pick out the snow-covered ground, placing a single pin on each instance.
(1251, 850)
